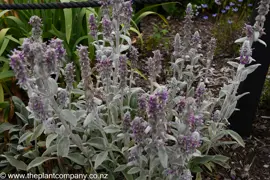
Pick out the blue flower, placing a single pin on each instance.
(214, 15)
(230, 21)
(205, 17)
(250, 5)
(227, 7)
(204, 6)
(240, 0)
(223, 11)
(235, 9)
(232, 4)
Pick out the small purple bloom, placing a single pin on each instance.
(214, 15)
(18, 65)
(205, 17)
(204, 6)
(235, 9)
(250, 5)
(232, 4)
(230, 21)
(239, 5)
(240, 0)
(227, 7)
(223, 11)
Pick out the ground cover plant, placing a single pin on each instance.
(109, 124)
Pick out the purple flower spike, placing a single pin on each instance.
(69, 76)
(235, 9)
(93, 25)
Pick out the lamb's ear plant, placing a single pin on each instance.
(163, 131)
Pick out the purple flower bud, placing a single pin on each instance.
(17, 64)
(190, 143)
(133, 56)
(245, 53)
(84, 61)
(214, 15)
(57, 44)
(195, 121)
(36, 24)
(181, 105)
(126, 121)
(69, 76)
(162, 97)
(189, 10)
(126, 14)
(200, 90)
(152, 107)
(227, 7)
(93, 26)
(104, 67)
(223, 11)
(107, 27)
(62, 97)
(123, 72)
(249, 31)
(38, 107)
(138, 126)
(142, 103)
(50, 60)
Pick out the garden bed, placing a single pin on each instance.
(249, 163)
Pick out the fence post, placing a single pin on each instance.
(241, 121)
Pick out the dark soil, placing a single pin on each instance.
(249, 163)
